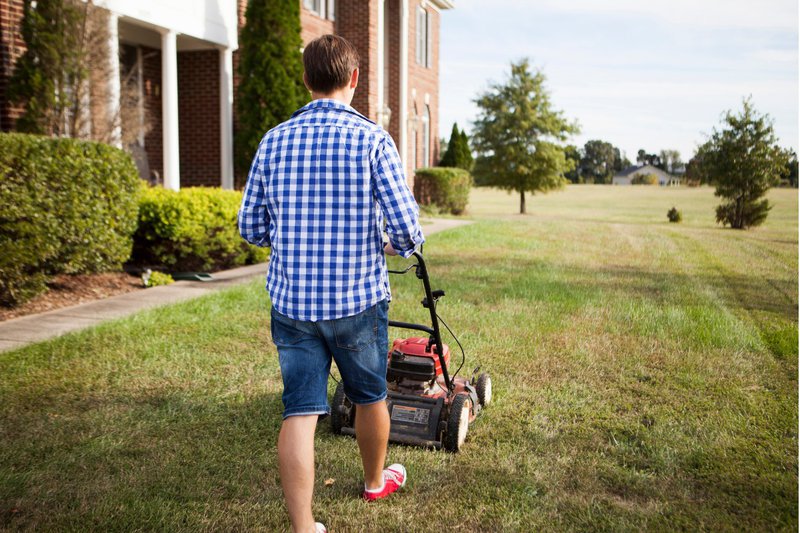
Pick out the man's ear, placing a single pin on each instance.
(354, 79)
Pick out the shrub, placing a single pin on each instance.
(645, 179)
(445, 187)
(66, 207)
(674, 215)
(191, 230)
(155, 278)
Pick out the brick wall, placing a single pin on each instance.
(11, 48)
(151, 84)
(313, 26)
(198, 118)
(424, 80)
(357, 21)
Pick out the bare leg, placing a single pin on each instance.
(372, 434)
(296, 459)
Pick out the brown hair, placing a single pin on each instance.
(329, 62)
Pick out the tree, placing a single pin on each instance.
(573, 155)
(458, 153)
(790, 173)
(60, 80)
(670, 161)
(516, 136)
(621, 162)
(271, 71)
(643, 158)
(743, 161)
(597, 162)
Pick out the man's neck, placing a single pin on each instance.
(343, 97)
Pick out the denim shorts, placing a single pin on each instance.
(359, 344)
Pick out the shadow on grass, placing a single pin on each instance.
(134, 459)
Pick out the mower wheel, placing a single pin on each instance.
(338, 418)
(457, 423)
(484, 389)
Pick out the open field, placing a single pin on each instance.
(645, 377)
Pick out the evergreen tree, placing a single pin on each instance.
(458, 154)
(271, 71)
(465, 159)
(449, 157)
(743, 161)
(517, 136)
(46, 76)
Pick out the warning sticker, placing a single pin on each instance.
(415, 415)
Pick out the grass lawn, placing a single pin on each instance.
(645, 377)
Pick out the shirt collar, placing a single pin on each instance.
(329, 104)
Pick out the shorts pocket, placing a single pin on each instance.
(283, 329)
(358, 331)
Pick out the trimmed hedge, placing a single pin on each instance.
(66, 206)
(191, 230)
(444, 187)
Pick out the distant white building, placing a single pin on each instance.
(626, 176)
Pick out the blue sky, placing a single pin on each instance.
(652, 74)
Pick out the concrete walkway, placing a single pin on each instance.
(19, 332)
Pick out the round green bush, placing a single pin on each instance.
(66, 207)
(447, 188)
(191, 230)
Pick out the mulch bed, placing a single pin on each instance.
(67, 290)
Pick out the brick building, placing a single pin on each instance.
(182, 53)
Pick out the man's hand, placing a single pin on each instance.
(388, 249)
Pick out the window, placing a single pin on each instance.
(426, 137)
(423, 41)
(323, 8)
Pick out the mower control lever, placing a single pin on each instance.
(436, 295)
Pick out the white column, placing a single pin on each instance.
(226, 117)
(169, 110)
(404, 83)
(115, 129)
(381, 60)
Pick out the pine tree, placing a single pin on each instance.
(743, 160)
(458, 154)
(465, 159)
(271, 71)
(449, 157)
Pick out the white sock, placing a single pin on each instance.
(375, 490)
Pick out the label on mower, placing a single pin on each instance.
(414, 415)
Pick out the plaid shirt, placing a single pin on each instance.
(319, 188)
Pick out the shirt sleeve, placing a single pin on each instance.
(253, 215)
(396, 201)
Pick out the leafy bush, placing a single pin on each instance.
(152, 278)
(645, 179)
(66, 207)
(445, 187)
(674, 215)
(191, 230)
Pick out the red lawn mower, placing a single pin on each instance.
(427, 406)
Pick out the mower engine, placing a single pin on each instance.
(414, 367)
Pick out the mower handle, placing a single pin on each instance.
(434, 331)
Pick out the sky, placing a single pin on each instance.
(651, 74)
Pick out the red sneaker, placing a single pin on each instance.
(394, 477)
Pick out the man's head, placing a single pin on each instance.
(331, 67)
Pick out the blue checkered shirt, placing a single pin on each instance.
(318, 191)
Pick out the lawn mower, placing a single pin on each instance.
(427, 406)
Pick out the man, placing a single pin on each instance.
(319, 190)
